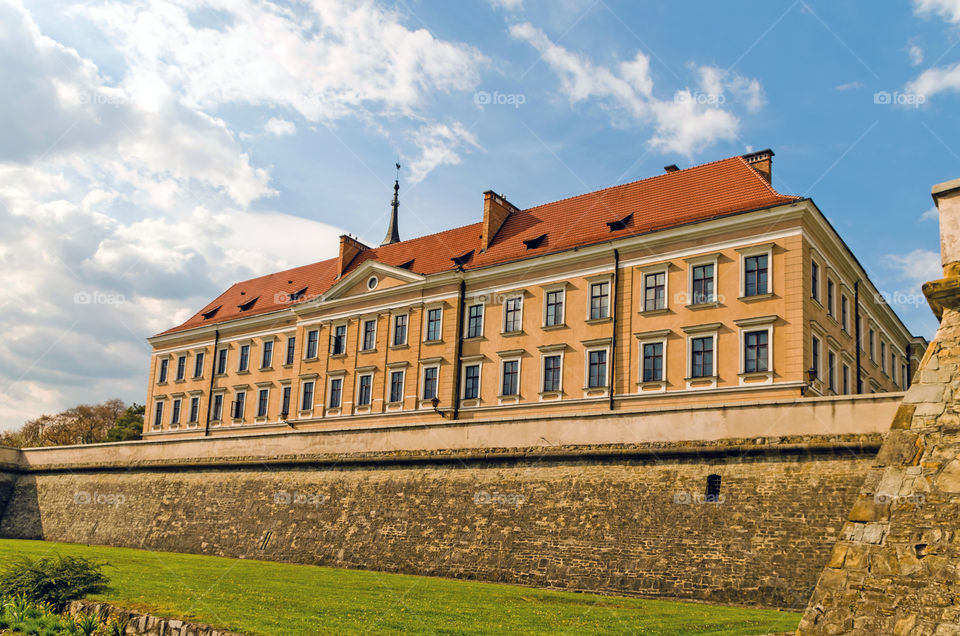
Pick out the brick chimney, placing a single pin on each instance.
(762, 162)
(496, 209)
(349, 249)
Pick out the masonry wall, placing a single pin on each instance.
(626, 519)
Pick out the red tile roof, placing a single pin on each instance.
(700, 193)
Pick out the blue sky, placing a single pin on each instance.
(156, 151)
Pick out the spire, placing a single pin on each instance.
(393, 231)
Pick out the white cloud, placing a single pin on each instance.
(937, 79)
(933, 214)
(849, 86)
(916, 54)
(280, 127)
(693, 120)
(918, 266)
(949, 10)
(439, 144)
(507, 5)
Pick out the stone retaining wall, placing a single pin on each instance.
(138, 623)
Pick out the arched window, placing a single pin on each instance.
(713, 488)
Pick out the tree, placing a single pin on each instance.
(82, 424)
(129, 426)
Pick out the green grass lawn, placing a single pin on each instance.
(261, 597)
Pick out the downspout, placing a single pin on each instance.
(213, 372)
(459, 350)
(856, 323)
(613, 309)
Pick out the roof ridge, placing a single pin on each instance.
(766, 183)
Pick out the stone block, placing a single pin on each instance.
(924, 394)
(949, 478)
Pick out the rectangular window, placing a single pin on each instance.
(653, 362)
(430, 383)
(433, 324)
(181, 367)
(263, 399)
(474, 321)
(845, 379)
(832, 371)
(512, 311)
(158, 415)
(701, 361)
(194, 409)
(511, 378)
(815, 356)
(755, 275)
(239, 404)
(400, 330)
(893, 367)
(755, 351)
(313, 339)
(471, 382)
(291, 348)
(551, 373)
(365, 390)
(306, 397)
(554, 314)
(217, 407)
(222, 361)
(266, 360)
(873, 351)
(198, 364)
(597, 369)
(339, 344)
(599, 300)
(655, 291)
(336, 392)
(830, 297)
(369, 335)
(814, 280)
(702, 284)
(163, 371)
(285, 403)
(244, 357)
(883, 356)
(175, 413)
(396, 386)
(844, 314)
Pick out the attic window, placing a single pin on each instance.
(407, 265)
(207, 315)
(297, 295)
(620, 224)
(247, 305)
(535, 242)
(462, 259)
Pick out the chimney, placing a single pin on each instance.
(762, 162)
(349, 249)
(496, 209)
(947, 197)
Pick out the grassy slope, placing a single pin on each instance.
(260, 597)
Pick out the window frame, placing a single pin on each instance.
(286, 395)
(291, 353)
(181, 370)
(752, 251)
(390, 386)
(815, 279)
(648, 338)
(548, 290)
(302, 397)
(467, 325)
(241, 400)
(315, 333)
(163, 369)
(423, 381)
(593, 282)
(243, 359)
(831, 297)
(832, 369)
(223, 360)
(266, 353)
(505, 311)
(193, 415)
(551, 353)
(216, 408)
(469, 364)
(663, 269)
(586, 368)
(427, 322)
(503, 364)
(366, 347)
(199, 357)
(263, 392)
(844, 313)
(711, 330)
(359, 388)
(338, 393)
(339, 341)
(158, 414)
(406, 329)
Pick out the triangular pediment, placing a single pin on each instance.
(359, 281)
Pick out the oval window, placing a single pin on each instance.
(372, 282)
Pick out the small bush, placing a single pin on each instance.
(88, 623)
(54, 580)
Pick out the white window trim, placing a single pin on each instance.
(265, 416)
(393, 330)
(831, 304)
(483, 318)
(844, 319)
(391, 405)
(214, 420)
(750, 325)
(656, 337)
(503, 312)
(702, 331)
(303, 384)
(465, 402)
(243, 415)
(176, 368)
(338, 409)
(333, 333)
(831, 352)
(596, 391)
(694, 262)
(363, 333)
(546, 353)
(818, 367)
(598, 280)
(547, 289)
(273, 350)
(510, 399)
(174, 404)
(160, 359)
(362, 408)
(426, 323)
(306, 344)
(193, 423)
(426, 402)
(755, 250)
(662, 268)
(816, 294)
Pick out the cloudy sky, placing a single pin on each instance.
(153, 152)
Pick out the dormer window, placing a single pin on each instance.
(620, 223)
(297, 295)
(535, 242)
(207, 315)
(407, 265)
(462, 259)
(248, 305)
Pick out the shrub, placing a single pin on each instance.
(88, 623)
(117, 627)
(54, 580)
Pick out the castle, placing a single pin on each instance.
(697, 286)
